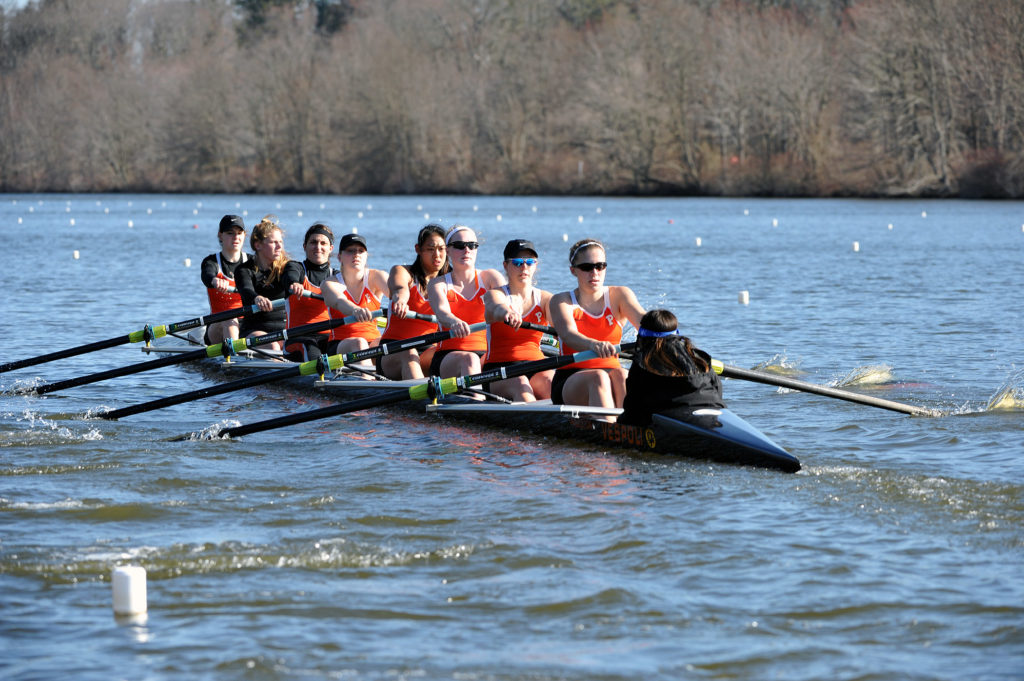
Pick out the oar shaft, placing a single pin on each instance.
(803, 386)
(64, 354)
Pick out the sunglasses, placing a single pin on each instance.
(519, 262)
(591, 266)
(464, 245)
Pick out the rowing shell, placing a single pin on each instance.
(709, 434)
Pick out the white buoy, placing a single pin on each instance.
(129, 585)
(199, 204)
(299, 213)
(106, 210)
(31, 209)
(355, 230)
(698, 242)
(72, 222)
(426, 216)
(744, 298)
(598, 209)
(321, 206)
(533, 208)
(369, 206)
(890, 226)
(476, 208)
(238, 204)
(188, 262)
(498, 217)
(67, 209)
(279, 206)
(163, 204)
(746, 211)
(245, 213)
(419, 206)
(924, 213)
(131, 223)
(775, 222)
(19, 221)
(359, 214)
(565, 237)
(75, 255)
(195, 211)
(149, 211)
(579, 219)
(856, 246)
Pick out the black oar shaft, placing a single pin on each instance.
(64, 354)
(803, 386)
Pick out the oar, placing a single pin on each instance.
(145, 334)
(435, 387)
(314, 366)
(215, 350)
(803, 386)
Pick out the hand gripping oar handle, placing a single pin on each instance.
(147, 334)
(803, 386)
(215, 350)
(309, 368)
(422, 391)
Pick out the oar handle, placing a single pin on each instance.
(550, 330)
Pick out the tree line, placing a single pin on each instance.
(674, 97)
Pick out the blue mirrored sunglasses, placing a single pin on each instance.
(519, 262)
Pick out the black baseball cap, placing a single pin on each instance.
(350, 239)
(513, 247)
(229, 222)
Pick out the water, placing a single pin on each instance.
(377, 545)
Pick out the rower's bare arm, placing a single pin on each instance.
(492, 279)
(625, 303)
(334, 296)
(399, 282)
(495, 306)
(437, 294)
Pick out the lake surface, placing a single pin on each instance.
(377, 545)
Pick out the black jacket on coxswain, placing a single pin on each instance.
(652, 389)
(251, 281)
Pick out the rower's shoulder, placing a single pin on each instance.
(491, 278)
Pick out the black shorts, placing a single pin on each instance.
(558, 382)
(439, 355)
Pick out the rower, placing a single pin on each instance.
(309, 275)
(457, 299)
(668, 374)
(260, 281)
(218, 275)
(505, 309)
(590, 317)
(356, 291)
(407, 287)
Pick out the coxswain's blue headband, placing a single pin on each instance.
(647, 333)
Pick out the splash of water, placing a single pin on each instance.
(779, 365)
(1010, 395)
(874, 374)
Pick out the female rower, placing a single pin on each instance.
(259, 280)
(457, 299)
(218, 275)
(354, 291)
(668, 373)
(506, 308)
(407, 286)
(309, 275)
(590, 317)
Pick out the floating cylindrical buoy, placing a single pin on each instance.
(129, 584)
(565, 237)
(498, 217)
(533, 208)
(856, 246)
(698, 242)
(188, 262)
(890, 225)
(355, 230)
(300, 214)
(775, 222)
(744, 298)
(746, 211)
(75, 255)
(359, 214)
(131, 223)
(72, 222)
(579, 219)
(426, 216)
(924, 213)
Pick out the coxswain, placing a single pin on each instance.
(505, 310)
(407, 291)
(457, 299)
(309, 275)
(355, 291)
(590, 317)
(218, 275)
(668, 374)
(260, 282)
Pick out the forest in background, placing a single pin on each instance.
(669, 97)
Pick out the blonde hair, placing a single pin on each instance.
(261, 233)
(453, 230)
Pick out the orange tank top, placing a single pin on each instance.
(300, 310)
(505, 344)
(469, 310)
(367, 300)
(399, 328)
(603, 327)
(221, 301)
